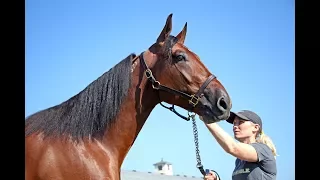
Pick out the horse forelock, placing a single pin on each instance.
(90, 112)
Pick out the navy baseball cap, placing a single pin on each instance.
(245, 115)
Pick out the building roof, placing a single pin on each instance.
(135, 175)
(162, 162)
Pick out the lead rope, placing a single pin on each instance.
(196, 142)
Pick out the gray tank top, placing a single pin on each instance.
(264, 169)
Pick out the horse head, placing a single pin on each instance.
(179, 77)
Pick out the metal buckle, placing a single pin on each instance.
(196, 100)
(156, 85)
(191, 115)
(148, 73)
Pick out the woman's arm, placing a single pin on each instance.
(240, 150)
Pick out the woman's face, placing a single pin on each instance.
(243, 129)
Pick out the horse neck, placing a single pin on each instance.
(134, 112)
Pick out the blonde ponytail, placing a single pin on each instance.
(263, 138)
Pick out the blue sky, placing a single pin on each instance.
(248, 45)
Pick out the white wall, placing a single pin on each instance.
(166, 169)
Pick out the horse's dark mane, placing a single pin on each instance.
(90, 112)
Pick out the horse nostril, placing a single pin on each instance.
(222, 105)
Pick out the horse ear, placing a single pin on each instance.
(182, 35)
(166, 30)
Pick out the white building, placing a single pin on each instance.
(162, 171)
(163, 167)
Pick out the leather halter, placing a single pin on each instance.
(193, 99)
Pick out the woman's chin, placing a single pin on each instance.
(237, 136)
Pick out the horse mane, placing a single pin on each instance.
(90, 112)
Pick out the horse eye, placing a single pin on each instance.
(180, 58)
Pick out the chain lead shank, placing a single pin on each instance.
(196, 142)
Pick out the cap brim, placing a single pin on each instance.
(233, 115)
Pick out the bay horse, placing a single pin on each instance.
(89, 135)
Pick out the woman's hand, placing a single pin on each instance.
(210, 176)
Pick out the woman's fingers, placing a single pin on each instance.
(213, 174)
(210, 176)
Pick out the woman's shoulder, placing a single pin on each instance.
(266, 159)
(263, 151)
(259, 145)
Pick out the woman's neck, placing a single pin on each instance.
(248, 140)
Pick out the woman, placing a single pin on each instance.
(255, 151)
